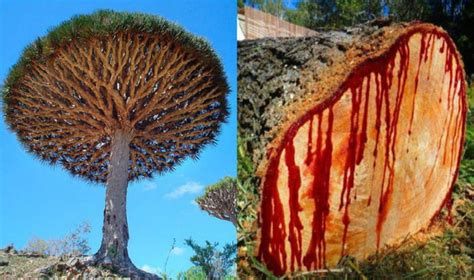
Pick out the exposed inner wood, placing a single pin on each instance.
(67, 108)
(370, 165)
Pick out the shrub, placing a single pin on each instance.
(74, 244)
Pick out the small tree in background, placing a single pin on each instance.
(114, 97)
(40, 246)
(73, 244)
(214, 263)
(220, 200)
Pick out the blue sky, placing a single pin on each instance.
(45, 201)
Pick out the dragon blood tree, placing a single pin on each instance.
(357, 135)
(220, 200)
(114, 97)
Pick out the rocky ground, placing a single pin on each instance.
(26, 265)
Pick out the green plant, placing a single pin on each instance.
(74, 243)
(247, 203)
(194, 273)
(215, 263)
(219, 200)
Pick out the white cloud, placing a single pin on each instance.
(151, 269)
(149, 187)
(177, 251)
(188, 188)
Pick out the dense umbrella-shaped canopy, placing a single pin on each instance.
(220, 200)
(99, 73)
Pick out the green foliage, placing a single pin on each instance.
(75, 243)
(41, 246)
(466, 170)
(334, 14)
(213, 262)
(245, 167)
(194, 273)
(101, 24)
(197, 273)
(274, 7)
(248, 194)
(408, 10)
(455, 16)
(340, 13)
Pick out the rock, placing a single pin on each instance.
(9, 249)
(64, 258)
(88, 259)
(94, 272)
(3, 261)
(31, 254)
(72, 262)
(43, 270)
(60, 267)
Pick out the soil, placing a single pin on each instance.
(23, 265)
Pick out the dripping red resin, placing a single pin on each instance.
(320, 163)
(271, 221)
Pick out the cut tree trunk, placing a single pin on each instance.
(114, 247)
(357, 136)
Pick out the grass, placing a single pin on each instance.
(447, 253)
(22, 265)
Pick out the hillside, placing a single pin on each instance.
(15, 264)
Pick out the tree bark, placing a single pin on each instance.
(113, 250)
(274, 73)
(115, 228)
(351, 131)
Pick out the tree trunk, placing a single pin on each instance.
(113, 250)
(115, 227)
(351, 132)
